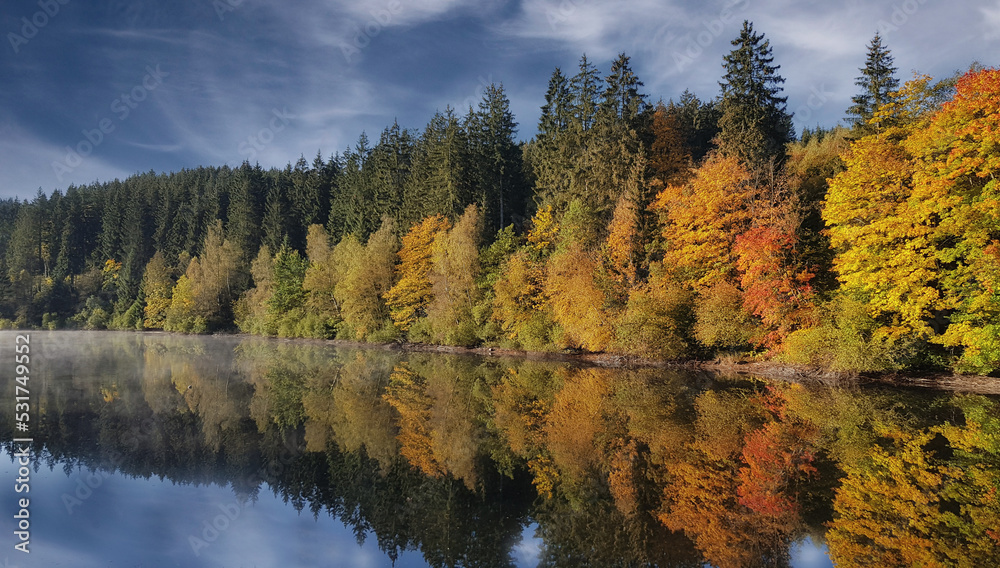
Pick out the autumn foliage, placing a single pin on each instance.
(915, 219)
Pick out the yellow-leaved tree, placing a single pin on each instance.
(915, 219)
(408, 298)
(455, 256)
(520, 303)
(204, 299)
(361, 292)
(157, 286)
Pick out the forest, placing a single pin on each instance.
(696, 228)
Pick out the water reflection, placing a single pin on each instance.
(447, 460)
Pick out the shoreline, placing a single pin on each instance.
(973, 384)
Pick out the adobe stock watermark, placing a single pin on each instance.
(712, 30)
(122, 107)
(223, 7)
(472, 101)
(256, 143)
(817, 99)
(363, 35)
(31, 26)
(562, 13)
(211, 529)
(899, 17)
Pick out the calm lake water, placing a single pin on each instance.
(158, 450)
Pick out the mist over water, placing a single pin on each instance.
(163, 450)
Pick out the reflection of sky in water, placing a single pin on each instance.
(807, 554)
(527, 551)
(151, 522)
(148, 523)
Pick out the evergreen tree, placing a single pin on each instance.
(136, 234)
(754, 125)
(387, 169)
(496, 159)
(301, 201)
(321, 182)
(584, 89)
(557, 112)
(549, 154)
(355, 203)
(277, 221)
(622, 99)
(620, 139)
(247, 198)
(698, 121)
(877, 80)
(439, 183)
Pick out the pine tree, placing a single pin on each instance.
(387, 169)
(275, 222)
(557, 110)
(247, 197)
(355, 203)
(620, 137)
(302, 195)
(877, 80)
(621, 98)
(754, 125)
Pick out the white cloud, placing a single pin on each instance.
(601, 29)
(991, 21)
(27, 165)
(400, 12)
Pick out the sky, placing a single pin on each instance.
(101, 89)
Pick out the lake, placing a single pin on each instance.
(160, 450)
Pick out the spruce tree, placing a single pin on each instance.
(549, 153)
(496, 160)
(439, 182)
(584, 90)
(877, 80)
(754, 126)
(621, 98)
(699, 122)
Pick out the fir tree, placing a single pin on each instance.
(496, 159)
(877, 80)
(754, 125)
(548, 154)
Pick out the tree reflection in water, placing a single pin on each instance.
(454, 455)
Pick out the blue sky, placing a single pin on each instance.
(137, 85)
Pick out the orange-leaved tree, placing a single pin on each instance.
(701, 220)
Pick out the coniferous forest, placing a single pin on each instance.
(701, 227)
